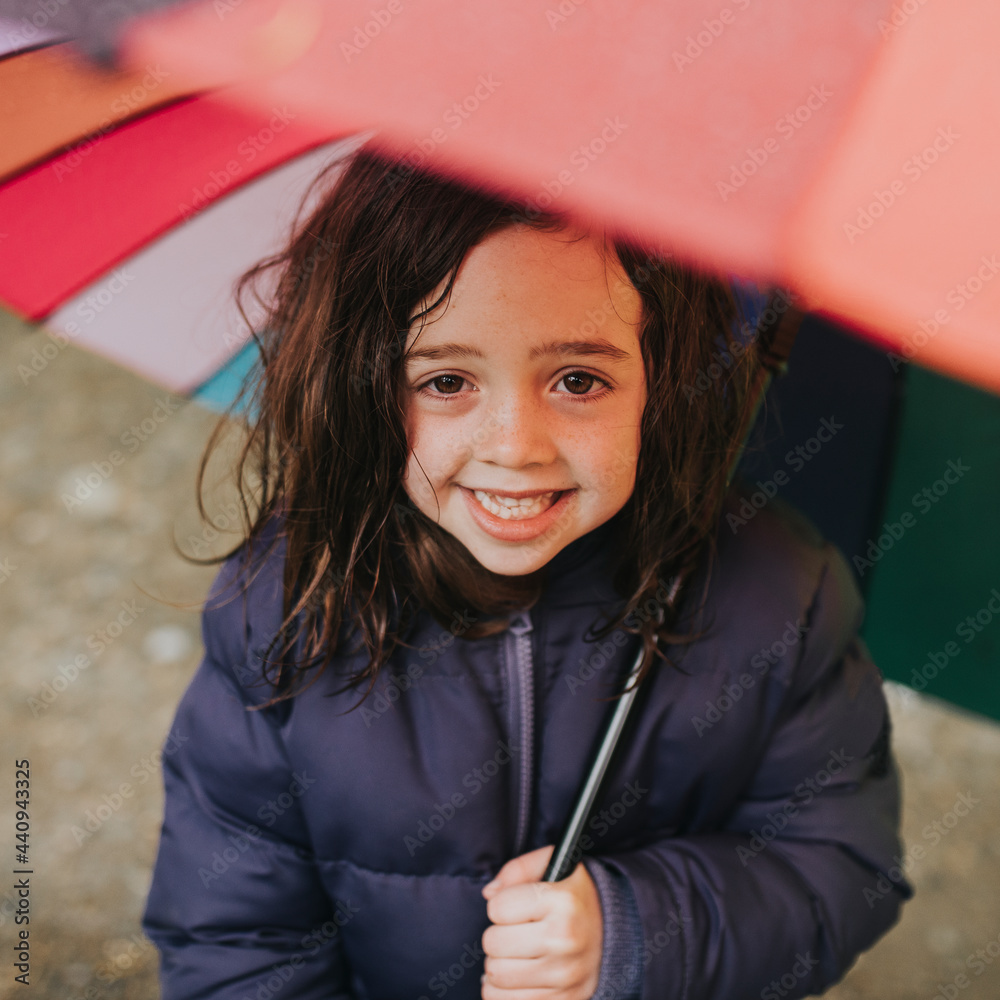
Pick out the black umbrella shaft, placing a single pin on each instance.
(566, 854)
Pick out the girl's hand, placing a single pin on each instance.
(546, 938)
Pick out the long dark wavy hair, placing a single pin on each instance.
(325, 439)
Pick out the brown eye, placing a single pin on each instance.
(447, 385)
(579, 383)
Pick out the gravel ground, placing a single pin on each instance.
(99, 645)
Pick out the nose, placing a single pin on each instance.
(516, 433)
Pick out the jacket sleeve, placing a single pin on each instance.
(236, 906)
(621, 951)
(803, 876)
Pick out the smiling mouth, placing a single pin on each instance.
(516, 508)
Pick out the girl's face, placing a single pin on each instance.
(524, 397)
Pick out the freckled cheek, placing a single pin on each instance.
(604, 461)
(441, 445)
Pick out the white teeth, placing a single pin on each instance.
(511, 508)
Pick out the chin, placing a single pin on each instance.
(511, 563)
(521, 560)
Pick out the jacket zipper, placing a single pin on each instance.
(522, 716)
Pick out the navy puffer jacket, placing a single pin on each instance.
(737, 848)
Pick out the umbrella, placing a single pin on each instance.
(810, 148)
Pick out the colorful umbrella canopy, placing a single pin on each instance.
(777, 168)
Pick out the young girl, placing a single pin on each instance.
(480, 465)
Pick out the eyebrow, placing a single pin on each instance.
(558, 348)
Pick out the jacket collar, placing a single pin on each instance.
(583, 571)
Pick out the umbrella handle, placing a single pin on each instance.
(567, 853)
